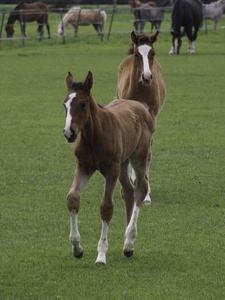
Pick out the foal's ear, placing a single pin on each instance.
(88, 83)
(154, 37)
(134, 37)
(69, 81)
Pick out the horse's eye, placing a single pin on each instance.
(83, 105)
(135, 55)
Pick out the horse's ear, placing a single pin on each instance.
(69, 81)
(154, 37)
(88, 83)
(134, 37)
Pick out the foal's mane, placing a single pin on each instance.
(142, 40)
(78, 86)
(19, 6)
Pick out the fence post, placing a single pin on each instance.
(206, 28)
(22, 27)
(100, 22)
(3, 17)
(77, 24)
(63, 28)
(114, 10)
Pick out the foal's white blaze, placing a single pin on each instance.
(68, 115)
(144, 50)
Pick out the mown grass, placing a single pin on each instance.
(179, 251)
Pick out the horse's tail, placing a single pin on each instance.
(104, 16)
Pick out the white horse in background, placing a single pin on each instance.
(214, 11)
(77, 16)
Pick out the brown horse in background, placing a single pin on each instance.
(140, 78)
(109, 138)
(28, 12)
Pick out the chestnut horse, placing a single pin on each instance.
(140, 78)
(28, 12)
(108, 140)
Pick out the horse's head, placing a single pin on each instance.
(176, 42)
(144, 53)
(77, 105)
(9, 31)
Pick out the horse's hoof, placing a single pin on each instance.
(100, 263)
(128, 254)
(79, 256)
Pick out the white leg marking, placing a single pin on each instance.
(103, 245)
(172, 50)
(75, 235)
(191, 47)
(131, 230)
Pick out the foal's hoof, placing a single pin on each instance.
(100, 263)
(128, 254)
(79, 256)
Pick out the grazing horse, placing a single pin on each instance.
(77, 16)
(108, 139)
(155, 15)
(214, 11)
(140, 78)
(28, 12)
(186, 13)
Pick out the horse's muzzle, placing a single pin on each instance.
(146, 80)
(70, 137)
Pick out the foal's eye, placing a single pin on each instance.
(135, 55)
(83, 105)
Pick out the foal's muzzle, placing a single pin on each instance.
(146, 79)
(71, 137)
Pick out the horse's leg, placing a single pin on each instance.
(73, 204)
(140, 189)
(48, 29)
(127, 188)
(106, 210)
(96, 27)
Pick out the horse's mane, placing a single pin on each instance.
(142, 39)
(19, 6)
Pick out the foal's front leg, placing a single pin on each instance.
(73, 204)
(106, 210)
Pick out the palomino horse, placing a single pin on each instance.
(186, 13)
(28, 12)
(140, 78)
(214, 11)
(77, 16)
(109, 138)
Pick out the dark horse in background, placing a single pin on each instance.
(152, 14)
(28, 12)
(187, 14)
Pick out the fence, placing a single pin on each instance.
(119, 15)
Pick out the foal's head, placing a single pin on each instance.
(144, 52)
(77, 105)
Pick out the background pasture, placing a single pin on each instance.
(180, 247)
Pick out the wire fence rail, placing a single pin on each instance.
(115, 15)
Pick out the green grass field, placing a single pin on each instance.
(180, 247)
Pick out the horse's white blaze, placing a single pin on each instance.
(144, 50)
(68, 115)
(103, 244)
(131, 230)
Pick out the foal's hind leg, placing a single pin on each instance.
(127, 188)
(140, 190)
(73, 204)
